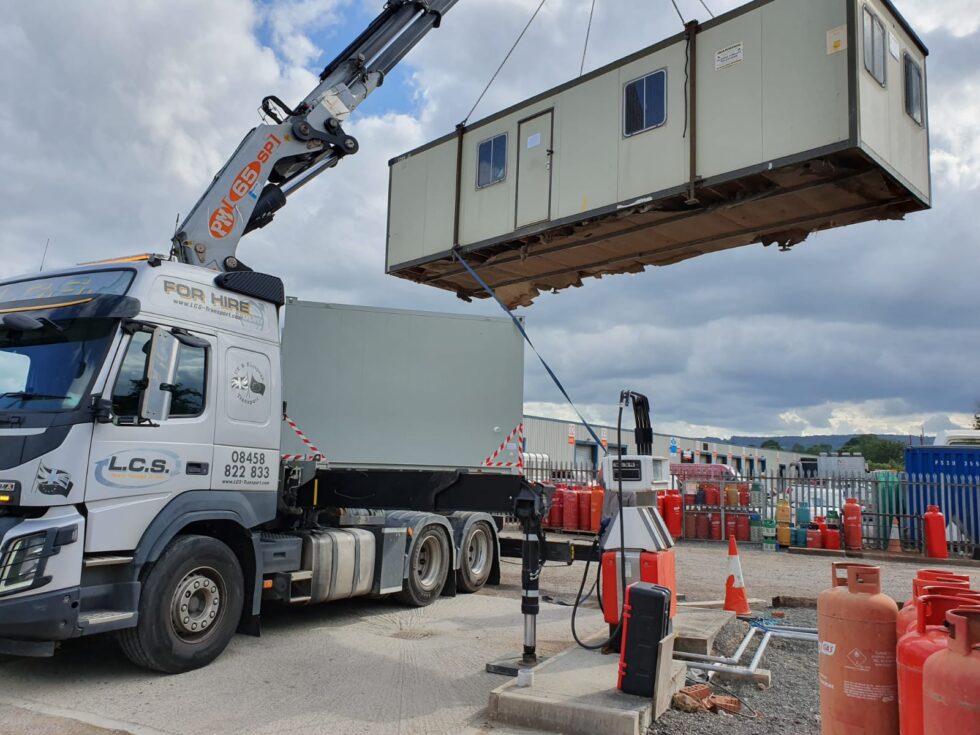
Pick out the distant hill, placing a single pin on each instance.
(834, 440)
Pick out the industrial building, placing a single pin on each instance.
(569, 443)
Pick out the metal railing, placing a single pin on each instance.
(885, 498)
(561, 473)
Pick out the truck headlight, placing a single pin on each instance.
(21, 562)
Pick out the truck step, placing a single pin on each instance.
(301, 576)
(106, 619)
(105, 561)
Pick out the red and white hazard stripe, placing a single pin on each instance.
(518, 433)
(315, 454)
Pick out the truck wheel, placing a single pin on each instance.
(428, 566)
(189, 607)
(476, 557)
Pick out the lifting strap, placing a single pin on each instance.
(520, 328)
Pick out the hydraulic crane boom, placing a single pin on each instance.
(275, 159)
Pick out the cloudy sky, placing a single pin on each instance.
(116, 115)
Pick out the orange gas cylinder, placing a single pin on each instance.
(814, 539)
(584, 509)
(569, 511)
(672, 506)
(928, 637)
(926, 578)
(951, 678)
(852, 525)
(856, 629)
(597, 495)
(934, 525)
(715, 519)
(822, 525)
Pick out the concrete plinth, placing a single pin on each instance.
(696, 628)
(575, 693)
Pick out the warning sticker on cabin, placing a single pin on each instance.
(728, 56)
(836, 40)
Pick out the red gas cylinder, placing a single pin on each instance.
(715, 519)
(852, 525)
(906, 619)
(712, 493)
(814, 539)
(831, 538)
(935, 532)
(702, 526)
(555, 514)
(585, 509)
(690, 525)
(925, 578)
(744, 498)
(856, 629)
(661, 507)
(597, 494)
(951, 678)
(927, 638)
(672, 508)
(731, 525)
(822, 525)
(743, 529)
(690, 496)
(569, 511)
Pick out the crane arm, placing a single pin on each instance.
(276, 158)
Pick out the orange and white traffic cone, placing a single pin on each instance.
(736, 600)
(895, 538)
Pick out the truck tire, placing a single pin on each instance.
(189, 608)
(476, 557)
(428, 566)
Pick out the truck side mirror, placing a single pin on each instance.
(161, 365)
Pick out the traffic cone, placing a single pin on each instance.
(736, 600)
(895, 538)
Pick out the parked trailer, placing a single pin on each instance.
(763, 125)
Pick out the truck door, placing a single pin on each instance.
(136, 468)
(534, 156)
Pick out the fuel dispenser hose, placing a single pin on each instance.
(624, 398)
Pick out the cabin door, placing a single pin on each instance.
(534, 156)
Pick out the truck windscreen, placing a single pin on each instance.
(94, 283)
(51, 368)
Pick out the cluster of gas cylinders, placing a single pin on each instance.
(702, 523)
(575, 508)
(883, 670)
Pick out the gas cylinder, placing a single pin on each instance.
(730, 525)
(731, 495)
(784, 535)
(783, 513)
(743, 494)
(856, 629)
(832, 538)
(672, 506)
(803, 516)
(716, 526)
(935, 531)
(569, 511)
(595, 512)
(690, 495)
(907, 615)
(584, 509)
(926, 577)
(822, 525)
(661, 504)
(555, 514)
(712, 493)
(926, 638)
(743, 531)
(814, 539)
(852, 525)
(702, 525)
(690, 524)
(951, 678)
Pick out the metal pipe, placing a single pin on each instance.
(733, 659)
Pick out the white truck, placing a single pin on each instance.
(142, 484)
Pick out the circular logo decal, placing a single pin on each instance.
(248, 383)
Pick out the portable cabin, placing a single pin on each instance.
(762, 125)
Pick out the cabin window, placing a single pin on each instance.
(645, 103)
(492, 165)
(189, 380)
(875, 46)
(913, 90)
